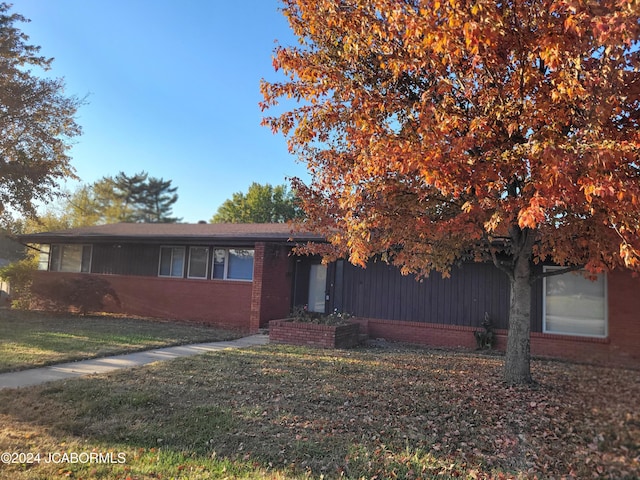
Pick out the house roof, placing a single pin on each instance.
(175, 232)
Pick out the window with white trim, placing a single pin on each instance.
(575, 305)
(70, 258)
(171, 262)
(233, 264)
(43, 257)
(198, 262)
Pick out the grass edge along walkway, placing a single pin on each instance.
(32, 339)
(37, 376)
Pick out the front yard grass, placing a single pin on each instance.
(279, 412)
(31, 339)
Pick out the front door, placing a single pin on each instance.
(317, 288)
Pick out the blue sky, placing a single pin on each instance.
(172, 88)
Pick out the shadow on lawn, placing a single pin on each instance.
(409, 413)
(82, 295)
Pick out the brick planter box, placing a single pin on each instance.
(311, 334)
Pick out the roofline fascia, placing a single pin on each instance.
(160, 240)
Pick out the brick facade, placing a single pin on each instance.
(620, 348)
(247, 306)
(439, 312)
(624, 317)
(271, 295)
(215, 302)
(313, 335)
(241, 305)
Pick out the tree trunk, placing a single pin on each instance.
(517, 361)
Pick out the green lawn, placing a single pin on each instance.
(279, 412)
(33, 339)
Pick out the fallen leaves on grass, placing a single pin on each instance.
(364, 413)
(30, 339)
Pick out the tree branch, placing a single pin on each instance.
(554, 272)
(506, 267)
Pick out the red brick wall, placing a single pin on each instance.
(271, 297)
(256, 292)
(451, 336)
(310, 334)
(624, 316)
(215, 302)
(581, 349)
(620, 348)
(247, 306)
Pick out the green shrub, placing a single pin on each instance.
(19, 276)
(302, 314)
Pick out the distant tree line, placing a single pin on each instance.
(261, 204)
(136, 198)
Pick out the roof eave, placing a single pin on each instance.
(49, 238)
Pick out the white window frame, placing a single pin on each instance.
(43, 257)
(60, 247)
(226, 264)
(206, 263)
(184, 259)
(544, 305)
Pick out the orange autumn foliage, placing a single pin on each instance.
(442, 131)
(439, 130)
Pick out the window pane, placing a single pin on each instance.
(171, 261)
(43, 257)
(177, 262)
(219, 256)
(317, 288)
(240, 264)
(54, 266)
(198, 260)
(575, 305)
(165, 261)
(71, 258)
(86, 259)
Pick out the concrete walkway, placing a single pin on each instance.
(36, 376)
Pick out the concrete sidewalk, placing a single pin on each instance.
(36, 376)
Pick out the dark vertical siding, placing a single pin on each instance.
(380, 291)
(125, 259)
(337, 286)
(536, 302)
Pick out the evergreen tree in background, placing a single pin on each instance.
(130, 194)
(156, 200)
(134, 198)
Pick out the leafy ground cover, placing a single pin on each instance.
(290, 412)
(32, 339)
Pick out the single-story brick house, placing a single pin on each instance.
(231, 275)
(244, 275)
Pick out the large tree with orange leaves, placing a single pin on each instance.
(438, 131)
